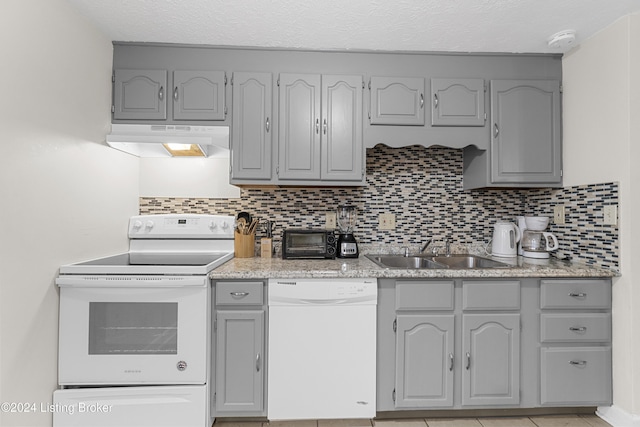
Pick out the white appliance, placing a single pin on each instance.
(537, 243)
(170, 140)
(506, 236)
(322, 349)
(142, 319)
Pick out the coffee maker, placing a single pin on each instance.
(347, 245)
(537, 243)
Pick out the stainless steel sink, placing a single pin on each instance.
(464, 261)
(469, 261)
(409, 262)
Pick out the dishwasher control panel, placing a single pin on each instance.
(322, 291)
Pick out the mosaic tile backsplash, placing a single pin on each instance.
(423, 188)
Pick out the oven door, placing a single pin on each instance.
(133, 330)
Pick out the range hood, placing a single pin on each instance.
(170, 140)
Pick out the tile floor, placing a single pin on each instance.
(535, 421)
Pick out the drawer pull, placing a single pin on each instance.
(239, 294)
(578, 294)
(578, 362)
(578, 329)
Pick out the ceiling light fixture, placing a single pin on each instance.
(562, 40)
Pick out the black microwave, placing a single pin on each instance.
(308, 243)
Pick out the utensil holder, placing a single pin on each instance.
(244, 245)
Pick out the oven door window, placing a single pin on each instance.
(128, 328)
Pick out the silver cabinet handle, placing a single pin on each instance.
(451, 361)
(435, 100)
(258, 362)
(175, 93)
(421, 101)
(317, 125)
(496, 130)
(267, 126)
(161, 93)
(578, 362)
(239, 294)
(578, 328)
(578, 294)
(468, 361)
(324, 126)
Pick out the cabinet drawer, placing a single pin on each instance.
(239, 293)
(561, 327)
(490, 295)
(582, 294)
(575, 376)
(424, 295)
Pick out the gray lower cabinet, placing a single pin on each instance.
(424, 371)
(493, 343)
(239, 348)
(397, 101)
(320, 128)
(457, 102)
(142, 94)
(575, 342)
(526, 140)
(251, 136)
(491, 359)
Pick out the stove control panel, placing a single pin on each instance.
(181, 226)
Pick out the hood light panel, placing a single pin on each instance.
(184, 150)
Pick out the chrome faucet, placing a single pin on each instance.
(447, 244)
(424, 247)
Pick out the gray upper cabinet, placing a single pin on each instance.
(397, 101)
(457, 102)
(320, 128)
(251, 141)
(299, 127)
(526, 140)
(198, 95)
(525, 134)
(342, 147)
(140, 94)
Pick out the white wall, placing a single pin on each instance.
(65, 195)
(601, 129)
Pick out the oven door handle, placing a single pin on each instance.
(73, 281)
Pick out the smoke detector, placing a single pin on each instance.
(562, 40)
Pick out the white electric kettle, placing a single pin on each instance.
(506, 236)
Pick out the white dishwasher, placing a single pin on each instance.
(322, 349)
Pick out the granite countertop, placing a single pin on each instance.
(265, 268)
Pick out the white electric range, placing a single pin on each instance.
(135, 328)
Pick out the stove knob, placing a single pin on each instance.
(137, 225)
(213, 225)
(224, 225)
(149, 225)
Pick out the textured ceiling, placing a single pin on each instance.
(398, 25)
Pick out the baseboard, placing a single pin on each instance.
(618, 417)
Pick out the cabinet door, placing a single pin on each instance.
(251, 136)
(342, 146)
(424, 361)
(491, 359)
(397, 100)
(198, 95)
(299, 126)
(140, 94)
(457, 102)
(525, 131)
(239, 360)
